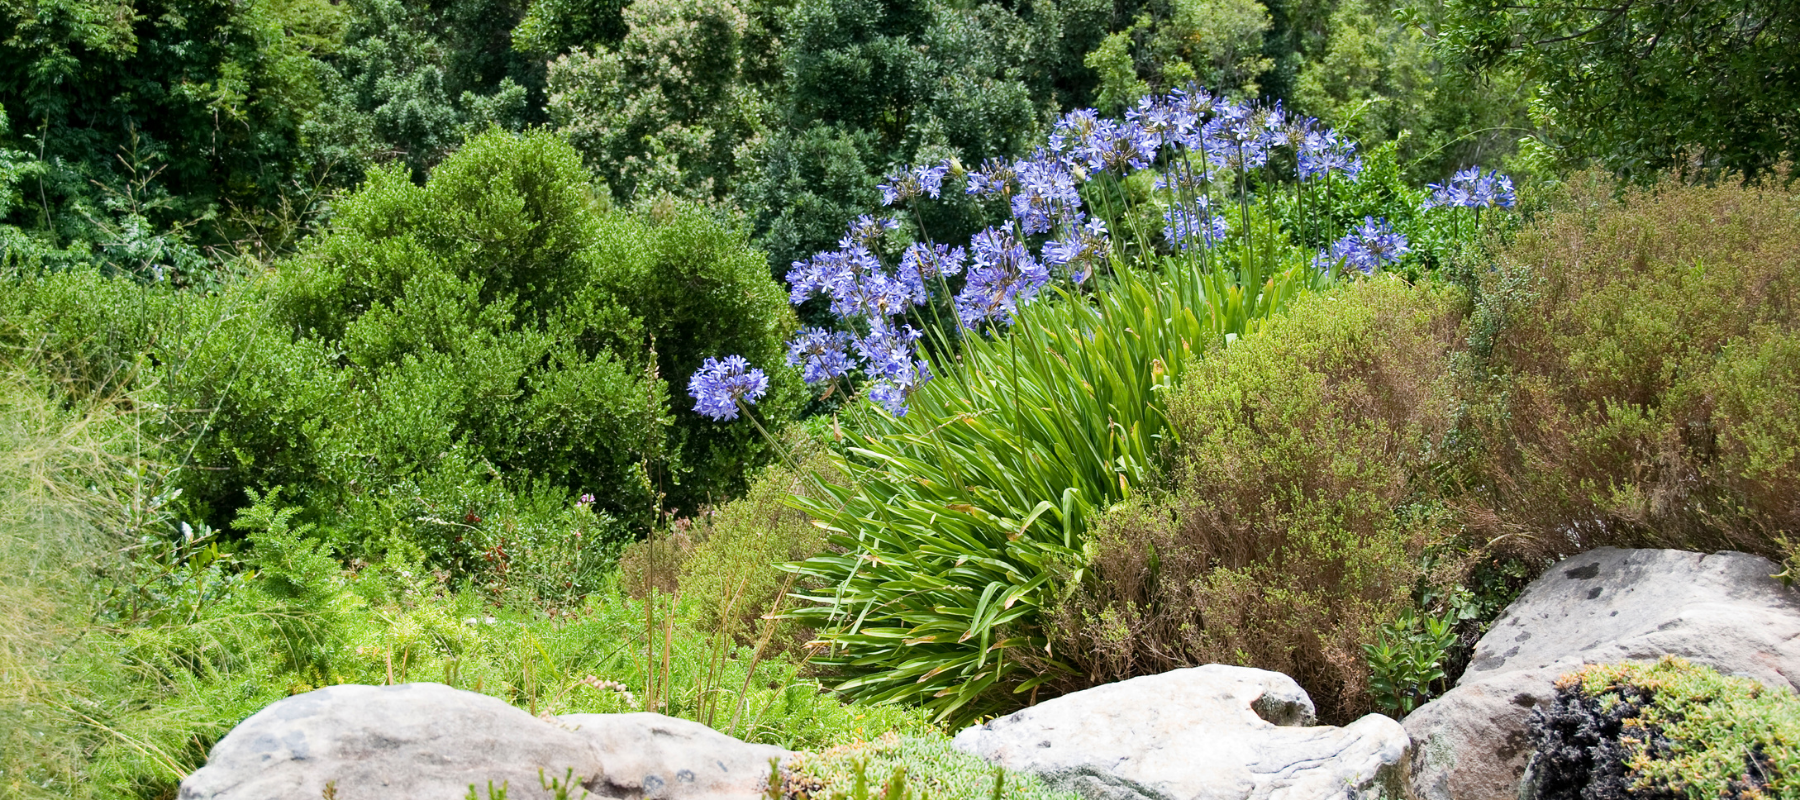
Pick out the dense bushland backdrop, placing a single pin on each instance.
(392, 340)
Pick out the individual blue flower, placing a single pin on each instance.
(1080, 250)
(1274, 124)
(922, 263)
(995, 177)
(1503, 191)
(720, 385)
(820, 354)
(1367, 247)
(1191, 224)
(908, 184)
(1046, 196)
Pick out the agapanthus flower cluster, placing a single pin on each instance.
(721, 383)
(1079, 251)
(1193, 224)
(1046, 196)
(1002, 277)
(820, 354)
(868, 296)
(1472, 188)
(909, 184)
(1321, 153)
(1366, 248)
(1199, 145)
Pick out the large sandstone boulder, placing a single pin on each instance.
(1603, 606)
(1204, 733)
(429, 741)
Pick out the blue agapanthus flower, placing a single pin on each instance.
(1080, 250)
(890, 356)
(720, 385)
(1366, 248)
(1194, 224)
(1471, 188)
(1165, 120)
(1074, 132)
(995, 177)
(889, 395)
(1047, 195)
(1119, 149)
(909, 184)
(866, 231)
(1002, 277)
(817, 275)
(923, 264)
(888, 351)
(1322, 153)
(820, 354)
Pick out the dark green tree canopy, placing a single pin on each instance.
(1645, 85)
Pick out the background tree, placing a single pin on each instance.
(1644, 85)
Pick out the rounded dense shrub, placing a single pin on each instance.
(1636, 379)
(452, 364)
(1300, 503)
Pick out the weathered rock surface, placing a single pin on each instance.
(1603, 606)
(1204, 733)
(427, 740)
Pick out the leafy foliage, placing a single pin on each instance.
(1644, 87)
(917, 766)
(956, 523)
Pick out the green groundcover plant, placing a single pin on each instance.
(1669, 729)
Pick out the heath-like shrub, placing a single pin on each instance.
(1638, 364)
(1299, 506)
(733, 574)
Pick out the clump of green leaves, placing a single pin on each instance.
(954, 525)
(1406, 662)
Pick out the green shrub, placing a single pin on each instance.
(1637, 364)
(733, 575)
(1300, 504)
(1670, 729)
(450, 364)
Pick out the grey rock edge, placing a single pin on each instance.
(1603, 606)
(429, 741)
(1204, 733)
